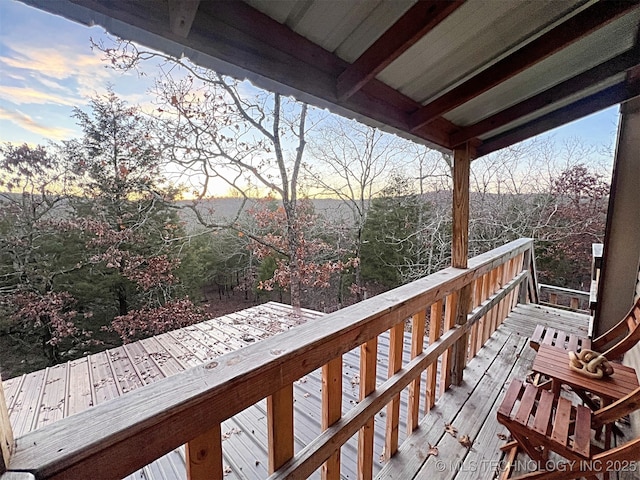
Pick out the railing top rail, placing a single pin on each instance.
(564, 291)
(151, 421)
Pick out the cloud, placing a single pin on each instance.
(60, 62)
(28, 95)
(26, 122)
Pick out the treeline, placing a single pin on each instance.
(94, 248)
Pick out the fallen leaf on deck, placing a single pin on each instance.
(450, 429)
(502, 436)
(433, 450)
(465, 441)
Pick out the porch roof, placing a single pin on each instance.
(486, 71)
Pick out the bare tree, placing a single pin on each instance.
(227, 135)
(354, 162)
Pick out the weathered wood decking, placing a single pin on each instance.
(43, 397)
(471, 408)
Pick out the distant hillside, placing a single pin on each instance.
(219, 209)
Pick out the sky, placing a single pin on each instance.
(47, 67)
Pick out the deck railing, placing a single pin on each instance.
(463, 308)
(564, 298)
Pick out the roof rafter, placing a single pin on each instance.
(559, 37)
(414, 24)
(593, 76)
(618, 93)
(261, 41)
(181, 16)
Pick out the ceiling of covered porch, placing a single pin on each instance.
(488, 72)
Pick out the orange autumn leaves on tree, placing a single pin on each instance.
(297, 252)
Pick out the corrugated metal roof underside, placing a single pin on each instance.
(619, 36)
(42, 397)
(471, 39)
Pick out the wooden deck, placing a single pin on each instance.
(471, 408)
(43, 397)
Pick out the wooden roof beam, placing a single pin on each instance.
(181, 16)
(593, 76)
(559, 37)
(254, 41)
(618, 93)
(414, 24)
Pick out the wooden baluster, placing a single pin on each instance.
(6, 433)
(486, 320)
(368, 362)
(495, 311)
(503, 304)
(204, 456)
(516, 271)
(280, 427)
(575, 303)
(331, 411)
(417, 346)
(450, 307)
(473, 340)
(396, 344)
(435, 323)
(524, 287)
(553, 298)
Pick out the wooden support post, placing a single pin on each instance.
(450, 311)
(396, 344)
(461, 171)
(331, 411)
(204, 456)
(368, 362)
(280, 427)
(460, 252)
(435, 323)
(6, 433)
(417, 345)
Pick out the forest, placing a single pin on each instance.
(217, 196)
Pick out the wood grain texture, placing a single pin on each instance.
(368, 363)
(280, 427)
(460, 350)
(331, 411)
(460, 234)
(396, 345)
(204, 456)
(450, 309)
(417, 346)
(6, 432)
(435, 324)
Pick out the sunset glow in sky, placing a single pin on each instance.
(47, 67)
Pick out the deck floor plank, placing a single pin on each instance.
(80, 396)
(54, 396)
(413, 453)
